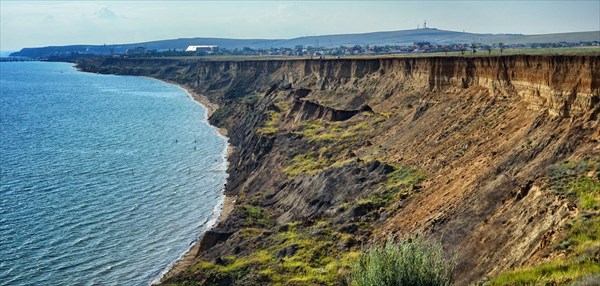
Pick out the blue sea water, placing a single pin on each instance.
(104, 179)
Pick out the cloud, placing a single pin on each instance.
(105, 13)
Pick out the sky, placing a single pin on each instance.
(47, 23)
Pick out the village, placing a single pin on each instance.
(355, 50)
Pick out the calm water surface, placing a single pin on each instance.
(103, 179)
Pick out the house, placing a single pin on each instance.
(136, 51)
(205, 48)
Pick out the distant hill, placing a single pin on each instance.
(402, 37)
(177, 44)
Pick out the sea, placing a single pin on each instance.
(104, 179)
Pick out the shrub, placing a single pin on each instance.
(408, 262)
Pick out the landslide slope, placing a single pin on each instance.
(334, 155)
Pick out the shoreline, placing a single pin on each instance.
(203, 100)
(226, 207)
(188, 257)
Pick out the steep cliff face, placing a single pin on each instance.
(559, 84)
(354, 151)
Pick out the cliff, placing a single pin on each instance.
(332, 155)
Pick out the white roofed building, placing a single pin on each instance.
(201, 48)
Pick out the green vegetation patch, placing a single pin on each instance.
(553, 273)
(295, 255)
(308, 253)
(338, 131)
(324, 131)
(232, 269)
(399, 184)
(579, 181)
(271, 125)
(254, 216)
(403, 177)
(413, 261)
(306, 163)
(331, 144)
(316, 259)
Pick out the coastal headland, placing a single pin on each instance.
(496, 157)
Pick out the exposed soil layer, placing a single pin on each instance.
(455, 148)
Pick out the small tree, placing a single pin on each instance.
(473, 47)
(501, 45)
(489, 49)
(408, 262)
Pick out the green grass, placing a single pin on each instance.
(235, 268)
(573, 180)
(321, 130)
(561, 272)
(250, 232)
(306, 163)
(316, 260)
(581, 242)
(254, 216)
(270, 126)
(408, 262)
(399, 184)
(330, 144)
(324, 131)
(546, 51)
(403, 177)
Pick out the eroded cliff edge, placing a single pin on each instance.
(332, 155)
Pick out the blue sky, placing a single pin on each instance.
(44, 23)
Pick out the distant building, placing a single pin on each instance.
(201, 48)
(136, 51)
